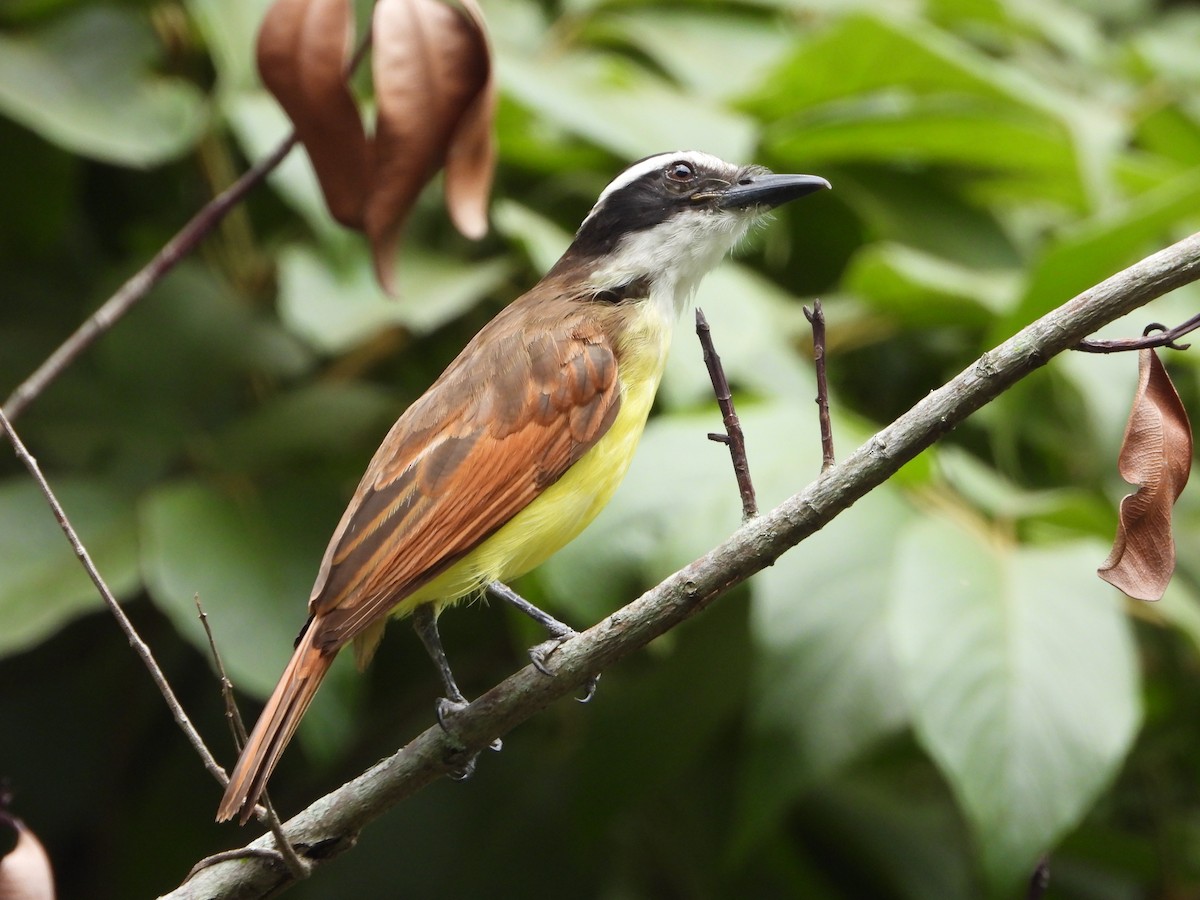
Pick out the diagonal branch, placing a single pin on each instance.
(140, 647)
(172, 253)
(330, 825)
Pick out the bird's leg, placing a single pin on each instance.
(559, 632)
(425, 624)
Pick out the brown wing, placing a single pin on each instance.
(526, 398)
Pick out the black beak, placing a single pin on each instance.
(770, 190)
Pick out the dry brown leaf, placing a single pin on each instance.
(1156, 455)
(25, 870)
(303, 50)
(471, 159)
(432, 84)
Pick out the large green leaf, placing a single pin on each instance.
(935, 130)
(84, 83)
(335, 308)
(686, 41)
(229, 28)
(1019, 669)
(42, 584)
(612, 103)
(1099, 247)
(251, 557)
(861, 54)
(923, 290)
(825, 684)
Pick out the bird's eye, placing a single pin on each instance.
(681, 171)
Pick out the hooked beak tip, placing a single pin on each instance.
(770, 190)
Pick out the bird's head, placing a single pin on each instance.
(668, 219)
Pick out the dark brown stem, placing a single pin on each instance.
(816, 317)
(133, 290)
(1161, 337)
(733, 438)
(139, 646)
(1039, 880)
(295, 864)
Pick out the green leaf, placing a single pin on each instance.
(1021, 677)
(686, 41)
(336, 309)
(84, 84)
(924, 212)
(1090, 252)
(936, 130)
(542, 240)
(825, 685)
(320, 421)
(609, 101)
(229, 28)
(42, 584)
(844, 61)
(252, 558)
(921, 290)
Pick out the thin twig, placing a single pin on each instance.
(1039, 881)
(229, 856)
(816, 317)
(1165, 337)
(172, 253)
(139, 646)
(295, 864)
(232, 716)
(733, 438)
(333, 822)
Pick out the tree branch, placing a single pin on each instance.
(330, 825)
(140, 647)
(733, 438)
(816, 318)
(133, 290)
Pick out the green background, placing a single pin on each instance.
(917, 702)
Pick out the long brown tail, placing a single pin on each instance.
(274, 729)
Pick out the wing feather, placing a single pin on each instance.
(504, 422)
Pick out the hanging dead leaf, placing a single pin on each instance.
(303, 51)
(471, 159)
(1156, 455)
(25, 869)
(434, 95)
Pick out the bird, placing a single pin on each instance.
(524, 437)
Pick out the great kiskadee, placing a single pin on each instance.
(523, 439)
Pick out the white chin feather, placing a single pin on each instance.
(676, 254)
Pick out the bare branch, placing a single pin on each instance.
(1153, 335)
(296, 866)
(330, 825)
(139, 646)
(733, 438)
(133, 290)
(816, 318)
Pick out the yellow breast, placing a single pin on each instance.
(565, 508)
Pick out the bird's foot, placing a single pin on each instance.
(462, 760)
(540, 654)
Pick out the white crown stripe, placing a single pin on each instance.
(650, 164)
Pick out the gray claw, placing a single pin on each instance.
(540, 653)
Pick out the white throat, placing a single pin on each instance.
(674, 255)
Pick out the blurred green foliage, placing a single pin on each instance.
(918, 702)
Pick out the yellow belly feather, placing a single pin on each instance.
(565, 508)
